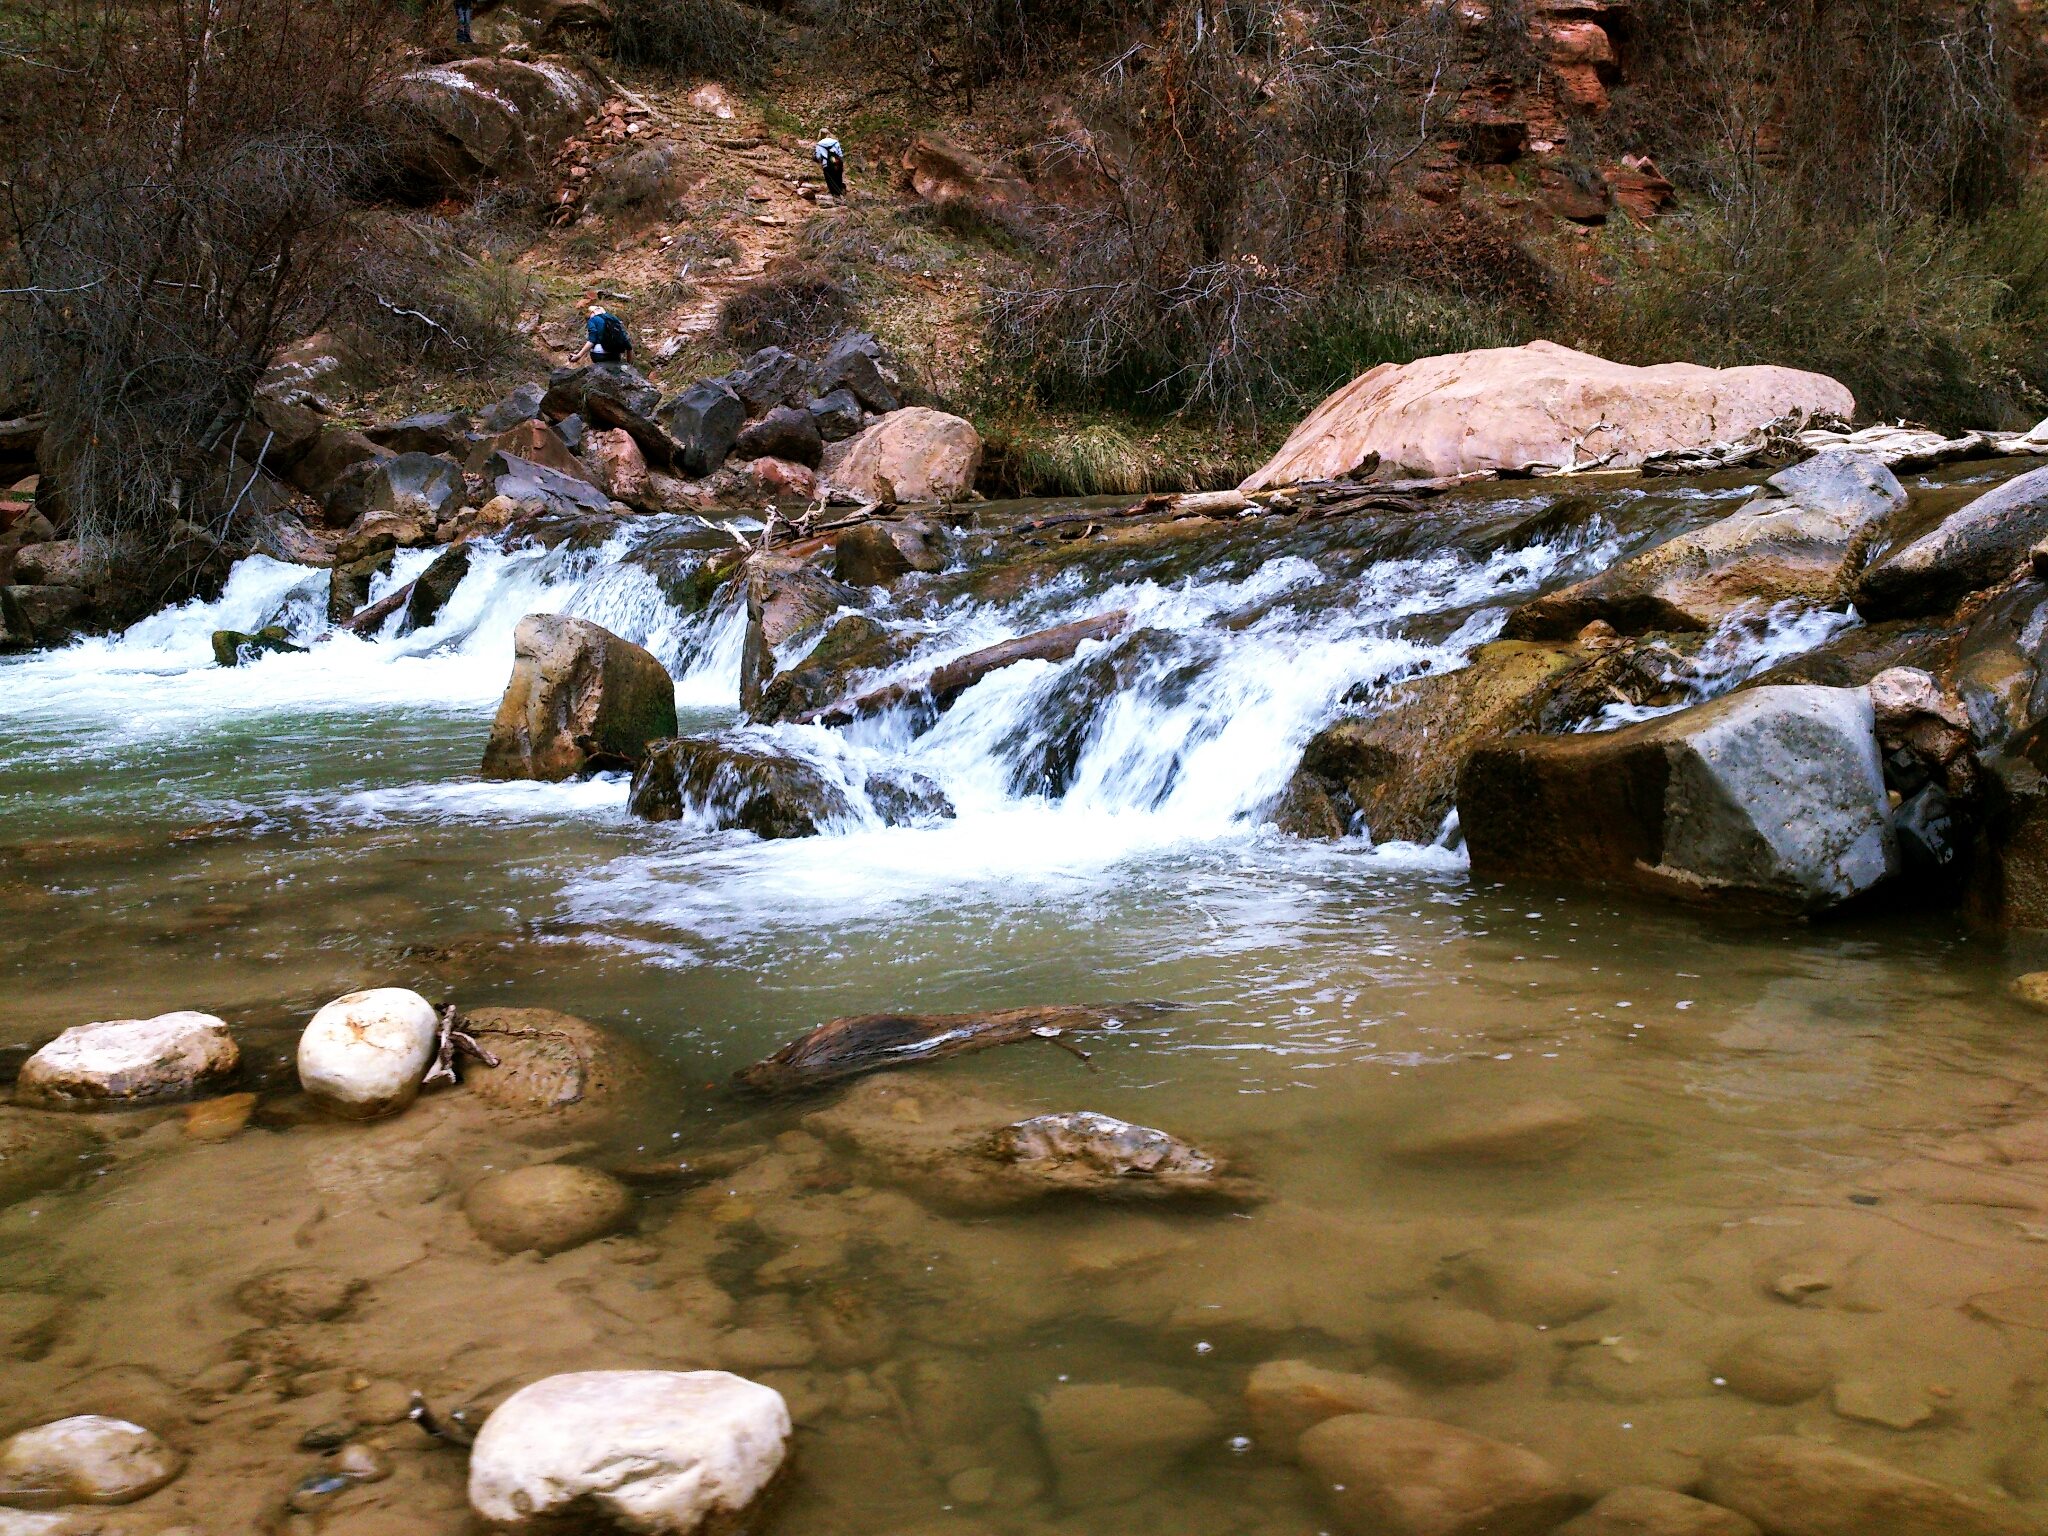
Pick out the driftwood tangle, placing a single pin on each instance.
(882, 1042)
(938, 689)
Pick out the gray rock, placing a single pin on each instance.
(1384, 1476)
(1801, 540)
(1975, 547)
(1110, 1442)
(705, 420)
(483, 115)
(770, 378)
(837, 413)
(422, 485)
(580, 699)
(522, 405)
(1772, 798)
(547, 1208)
(1797, 1487)
(427, 432)
(523, 481)
(432, 588)
(612, 395)
(736, 787)
(858, 362)
(784, 433)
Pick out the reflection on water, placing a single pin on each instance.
(1821, 1134)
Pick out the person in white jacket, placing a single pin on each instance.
(832, 160)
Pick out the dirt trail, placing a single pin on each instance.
(727, 159)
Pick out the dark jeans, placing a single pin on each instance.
(463, 11)
(835, 177)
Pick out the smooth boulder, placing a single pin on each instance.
(546, 1208)
(1288, 1398)
(1109, 1442)
(453, 122)
(1385, 1476)
(1975, 547)
(128, 1061)
(548, 1063)
(1797, 1487)
(363, 1055)
(916, 455)
(581, 699)
(1513, 408)
(86, 1459)
(1771, 798)
(874, 554)
(1801, 540)
(660, 1453)
(1657, 1512)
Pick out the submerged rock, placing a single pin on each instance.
(1386, 1476)
(663, 1453)
(547, 1208)
(1287, 1398)
(1978, 546)
(363, 1055)
(961, 1151)
(1656, 1512)
(1449, 1344)
(1537, 405)
(84, 1460)
(1775, 1367)
(854, 644)
(580, 699)
(911, 456)
(735, 787)
(905, 799)
(300, 1293)
(1772, 798)
(548, 1062)
(1798, 1487)
(129, 1061)
(1109, 1442)
(38, 1152)
(1801, 540)
(1532, 1131)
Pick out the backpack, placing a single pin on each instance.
(608, 334)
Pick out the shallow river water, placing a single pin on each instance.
(1806, 1143)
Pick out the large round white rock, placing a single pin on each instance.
(659, 1453)
(128, 1061)
(85, 1460)
(364, 1055)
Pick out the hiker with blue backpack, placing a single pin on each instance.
(608, 341)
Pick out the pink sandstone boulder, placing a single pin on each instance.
(1540, 405)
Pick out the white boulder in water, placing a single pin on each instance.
(364, 1054)
(128, 1061)
(663, 1453)
(84, 1460)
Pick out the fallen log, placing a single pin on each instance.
(372, 618)
(938, 691)
(883, 1042)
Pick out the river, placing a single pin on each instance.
(1764, 1104)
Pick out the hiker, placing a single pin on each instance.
(833, 159)
(463, 10)
(608, 341)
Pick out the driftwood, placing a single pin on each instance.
(939, 689)
(372, 618)
(882, 1042)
